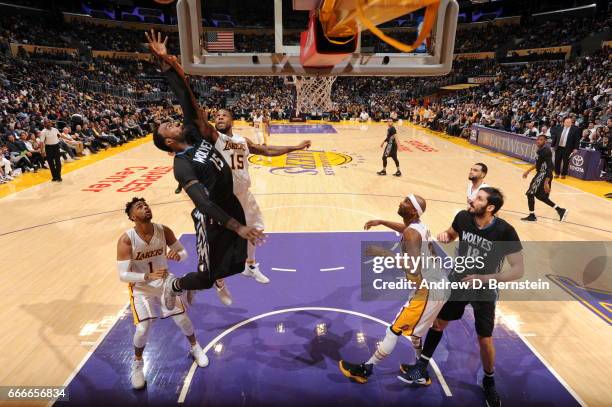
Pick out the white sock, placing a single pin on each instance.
(384, 348)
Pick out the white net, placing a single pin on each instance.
(314, 93)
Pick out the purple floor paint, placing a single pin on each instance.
(290, 358)
(302, 129)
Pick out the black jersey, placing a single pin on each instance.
(203, 163)
(492, 243)
(544, 162)
(390, 139)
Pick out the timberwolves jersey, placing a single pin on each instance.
(203, 163)
(235, 151)
(147, 257)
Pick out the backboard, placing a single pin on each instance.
(285, 60)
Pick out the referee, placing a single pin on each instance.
(390, 150)
(49, 139)
(484, 236)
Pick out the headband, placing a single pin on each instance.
(415, 204)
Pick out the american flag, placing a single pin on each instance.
(222, 41)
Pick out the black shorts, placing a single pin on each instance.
(221, 252)
(390, 151)
(484, 314)
(536, 187)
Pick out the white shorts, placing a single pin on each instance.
(147, 304)
(252, 212)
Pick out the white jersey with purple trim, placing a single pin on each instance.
(433, 272)
(147, 257)
(235, 151)
(471, 194)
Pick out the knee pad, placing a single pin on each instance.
(142, 333)
(184, 323)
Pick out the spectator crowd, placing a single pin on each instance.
(99, 103)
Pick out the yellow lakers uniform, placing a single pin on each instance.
(145, 297)
(235, 151)
(417, 315)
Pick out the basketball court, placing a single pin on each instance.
(66, 317)
(67, 321)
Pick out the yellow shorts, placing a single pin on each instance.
(417, 315)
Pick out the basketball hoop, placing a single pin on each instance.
(314, 93)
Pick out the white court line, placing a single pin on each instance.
(91, 352)
(321, 206)
(333, 269)
(277, 269)
(545, 363)
(189, 377)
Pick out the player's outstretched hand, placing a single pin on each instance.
(156, 45)
(371, 223)
(304, 145)
(443, 237)
(255, 236)
(172, 255)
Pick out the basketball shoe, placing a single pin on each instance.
(252, 270)
(224, 294)
(415, 374)
(198, 355)
(168, 293)
(491, 396)
(358, 373)
(562, 214)
(137, 375)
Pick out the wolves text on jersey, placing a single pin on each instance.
(203, 152)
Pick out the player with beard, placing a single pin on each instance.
(476, 177)
(423, 305)
(491, 239)
(235, 150)
(207, 179)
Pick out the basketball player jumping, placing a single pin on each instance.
(484, 235)
(540, 184)
(390, 150)
(476, 177)
(422, 307)
(207, 179)
(142, 263)
(235, 150)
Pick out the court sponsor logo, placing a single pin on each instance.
(145, 179)
(576, 163)
(418, 145)
(307, 162)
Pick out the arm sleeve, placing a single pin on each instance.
(184, 173)
(179, 88)
(127, 276)
(199, 195)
